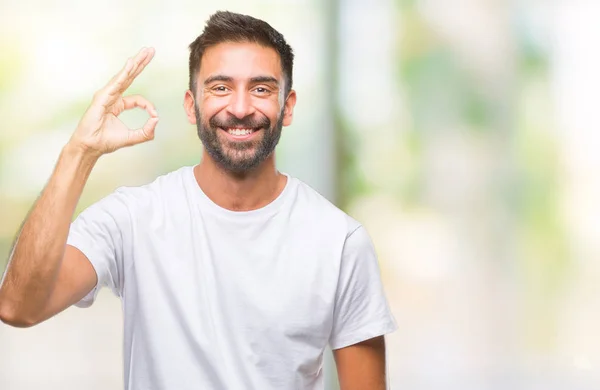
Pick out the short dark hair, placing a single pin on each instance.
(224, 26)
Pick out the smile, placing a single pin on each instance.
(240, 133)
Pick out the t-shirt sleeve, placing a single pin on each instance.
(98, 232)
(361, 309)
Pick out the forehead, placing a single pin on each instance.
(240, 60)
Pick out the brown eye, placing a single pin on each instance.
(220, 89)
(261, 90)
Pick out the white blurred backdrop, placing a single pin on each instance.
(461, 133)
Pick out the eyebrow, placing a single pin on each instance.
(228, 79)
(264, 79)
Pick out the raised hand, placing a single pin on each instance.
(100, 131)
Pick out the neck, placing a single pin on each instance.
(240, 191)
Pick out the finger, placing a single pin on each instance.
(104, 95)
(134, 101)
(123, 79)
(128, 69)
(137, 60)
(140, 63)
(144, 62)
(144, 134)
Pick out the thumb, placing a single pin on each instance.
(144, 134)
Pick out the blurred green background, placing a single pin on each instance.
(461, 133)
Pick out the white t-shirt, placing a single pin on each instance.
(217, 299)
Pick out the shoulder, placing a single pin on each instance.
(142, 197)
(315, 207)
(162, 186)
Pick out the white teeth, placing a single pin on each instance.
(239, 131)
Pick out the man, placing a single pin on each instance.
(232, 274)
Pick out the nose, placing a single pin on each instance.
(240, 105)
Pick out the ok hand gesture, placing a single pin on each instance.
(100, 131)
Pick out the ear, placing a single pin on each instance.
(189, 106)
(288, 111)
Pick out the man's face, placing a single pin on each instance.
(239, 105)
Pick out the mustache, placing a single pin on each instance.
(246, 122)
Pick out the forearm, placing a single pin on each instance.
(37, 254)
(362, 365)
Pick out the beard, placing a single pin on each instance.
(238, 156)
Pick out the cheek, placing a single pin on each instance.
(212, 106)
(269, 108)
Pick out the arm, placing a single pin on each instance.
(362, 366)
(35, 264)
(361, 317)
(45, 276)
